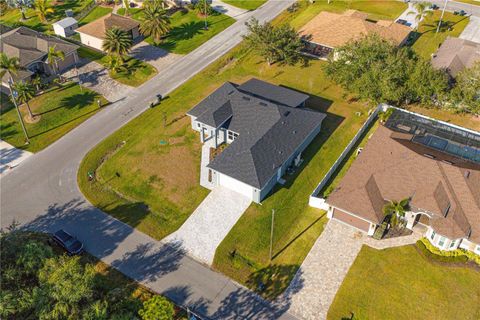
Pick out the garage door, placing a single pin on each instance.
(351, 220)
(235, 185)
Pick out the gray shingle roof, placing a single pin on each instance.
(269, 133)
(456, 54)
(273, 93)
(67, 22)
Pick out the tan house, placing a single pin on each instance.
(434, 164)
(92, 34)
(456, 54)
(329, 30)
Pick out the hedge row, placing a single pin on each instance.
(458, 255)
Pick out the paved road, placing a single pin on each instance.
(457, 6)
(42, 194)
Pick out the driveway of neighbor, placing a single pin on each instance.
(157, 57)
(472, 31)
(228, 9)
(202, 233)
(410, 17)
(10, 157)
(94, 76)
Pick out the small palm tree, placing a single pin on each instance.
(8, 66)
(117, 42)
(53, 56)
(114, 63)
(422, 10)
(25, 92)
(203, 7)
(42, 9)
(156, 23)
(36, 81)
(396, 209)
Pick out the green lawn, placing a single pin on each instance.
(429, 41)
(137, 72)
(96, 13)
(399, 283)
(474, 2)
(187, 30)
(12, 16)
(246, 4)
(61, 110)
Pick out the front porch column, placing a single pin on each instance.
(215, 137)
(410, 220)
(202, 135)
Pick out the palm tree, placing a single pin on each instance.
(42, 9)
(396, 209)
(422, 10)
(203, 8)
(8, 66)
(53, 56)
(114, 63)
(156, 23)
(25, 92)
(36, 81)
(117, 42)
(126, 4)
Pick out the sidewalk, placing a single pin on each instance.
(10, 157)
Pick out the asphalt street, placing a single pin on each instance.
(42, 194)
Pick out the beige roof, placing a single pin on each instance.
(334, 30)
(98, 27)
(391, 167)
(456, 54)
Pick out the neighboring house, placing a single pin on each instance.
(329, 30)
(434, 164)
(93, 33)
(65, 27)
(31, 48)
(456, 54)
(266, 128)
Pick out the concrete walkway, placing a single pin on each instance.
(393, 242)
(472, 31)
(228, 9)
(10, 157)
(323, 271)
(209, 224)
(203, 164)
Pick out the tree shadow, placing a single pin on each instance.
(183, 296)
(185, 31)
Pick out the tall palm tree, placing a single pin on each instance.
(156, 23)
(422, 10)
(395, 210)
(53, 56)
(117, 42)
(25, 92)
(42, 9)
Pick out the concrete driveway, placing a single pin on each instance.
(202, 233)
(157, 57)
(10, 157)
(410, 17)
(228, 9)
(472, 31)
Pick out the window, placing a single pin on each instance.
(432, 235)
(477, 249)
(198, 124)
(441, 242)
(452, 243)
(232, 135)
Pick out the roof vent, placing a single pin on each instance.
(263, 104)
(294, 131)
(429, 155)
(467, 174)
(246, 98)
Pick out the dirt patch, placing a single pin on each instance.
(34, 119)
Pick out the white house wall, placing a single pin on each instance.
(91, 41)
(238, 186)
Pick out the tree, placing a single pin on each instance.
(32, 255)
(126, 4)
(42, 9)
(8, 66)
(156, 22)
(396, 209)
(36, 81)
(466, 93)
(25, 92)
(157, 308)
(203, 8)
(53, 56)
(275, 44)
(422, 10)
(114, 63)
(117, 42)
(22, 5)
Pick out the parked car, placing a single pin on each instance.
(434, 7)
(404, 22)
(460, 13)
(72, 245)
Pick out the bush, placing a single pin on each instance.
(157, 308)
(458, 255)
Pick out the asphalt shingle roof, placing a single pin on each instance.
(269, 133)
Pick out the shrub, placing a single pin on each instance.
(458, 255)
(157, 308)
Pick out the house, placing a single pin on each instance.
(434, 164)
(93, 33)
(456, 54)
(65, 27)
(265, 127)
(31, 48)
(329, 30)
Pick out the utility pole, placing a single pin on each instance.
(271, 234)
(14, 93)
(441, 17)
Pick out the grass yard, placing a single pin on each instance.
(134, 75)
(187, 30)
(460, 119)
(12, 16)
(61, 110)
(96, 13)
(429, 41)
(399, 283)
(246, 4)
(474, 2)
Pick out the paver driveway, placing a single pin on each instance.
(202, 233)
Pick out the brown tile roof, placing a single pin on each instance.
(456, 54)
(98, 27)
(334, 30)
(395, 167)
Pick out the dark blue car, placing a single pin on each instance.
(68, 242)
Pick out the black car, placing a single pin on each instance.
(68, 242)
